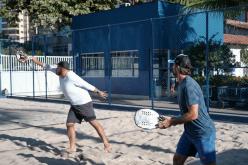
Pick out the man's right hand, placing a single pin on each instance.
(166, 123)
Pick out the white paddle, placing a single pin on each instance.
(147, 118)
(22, 57)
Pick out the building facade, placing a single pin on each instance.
(127, 50)
(19, 33)
(236, 37)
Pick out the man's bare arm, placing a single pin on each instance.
(36, 61)
(191, 115)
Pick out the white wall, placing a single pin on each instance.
(22, 83)
(239, 72)
(236, 52)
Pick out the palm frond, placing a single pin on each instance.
(215, 4)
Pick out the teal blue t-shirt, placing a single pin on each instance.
(190, 93)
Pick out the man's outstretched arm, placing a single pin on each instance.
(36, 61)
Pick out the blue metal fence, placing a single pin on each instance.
(133, 59)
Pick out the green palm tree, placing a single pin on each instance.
(210, 4)
(228, 6)
(216, 4)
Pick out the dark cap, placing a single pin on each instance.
(64, 64)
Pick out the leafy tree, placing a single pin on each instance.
(210, 4)
(52, 14)
(244, 56)
(217, 5)
(220, 56)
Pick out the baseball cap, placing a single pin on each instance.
(64, 64)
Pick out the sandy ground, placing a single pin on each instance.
(33, 133)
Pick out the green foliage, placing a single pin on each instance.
(223, 80)
(220, 56)
(199, 79)
(244, 56)
(183, 2)
(209, 4)
(215, 4)
(230, 13)
(53, 14)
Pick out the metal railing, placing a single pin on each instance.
(233, 93)
(10, 63)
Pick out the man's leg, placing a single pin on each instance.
(98, 127)
(184, 149)
(206, 149)
(71, 132)
(72, 136)
(179, 159)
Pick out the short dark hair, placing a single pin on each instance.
(64, 64)
(184, 64)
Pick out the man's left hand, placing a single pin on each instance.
(166, 123)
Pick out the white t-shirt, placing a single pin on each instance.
(74, 87)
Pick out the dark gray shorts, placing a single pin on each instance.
(79, 112)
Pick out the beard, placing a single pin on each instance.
(58, 72)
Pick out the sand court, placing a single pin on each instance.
(34, 133)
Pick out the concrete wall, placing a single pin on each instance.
(22, 83)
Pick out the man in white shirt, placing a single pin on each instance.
(75, 89)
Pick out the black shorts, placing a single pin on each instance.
(79, 112)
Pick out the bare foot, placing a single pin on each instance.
(68, 153)
(107, 147)
(72, 148)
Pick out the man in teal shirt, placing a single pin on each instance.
(199, 131)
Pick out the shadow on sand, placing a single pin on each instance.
(230, 157)
(30, 143)
(59, 161)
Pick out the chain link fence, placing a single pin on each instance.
(133, 60)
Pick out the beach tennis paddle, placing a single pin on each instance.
(147, 118)
(22, 57)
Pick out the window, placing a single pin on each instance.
(163, 57)
(92, 64)
(163, 60)
(125, 63)
(160, 61)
